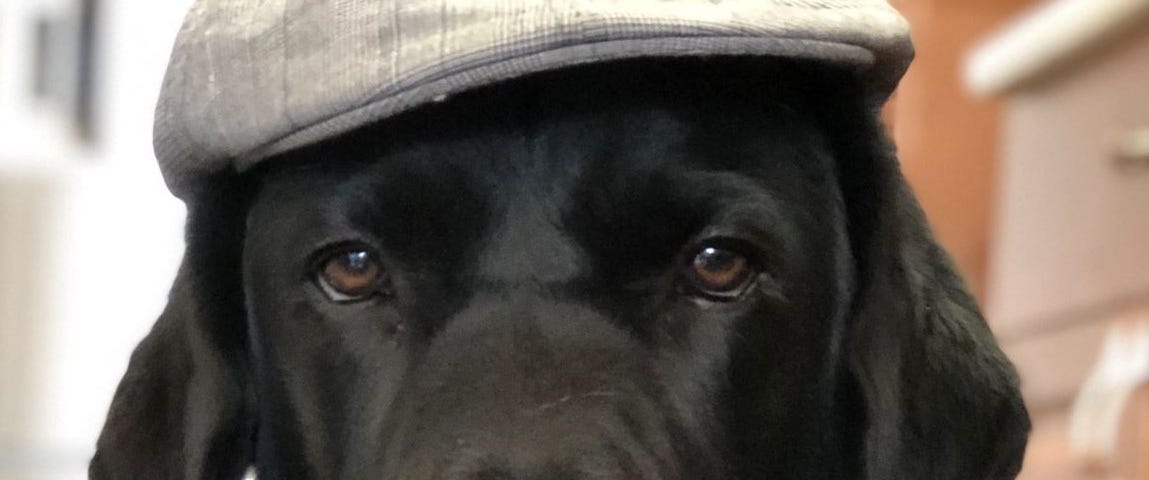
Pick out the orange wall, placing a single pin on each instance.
(947, 139)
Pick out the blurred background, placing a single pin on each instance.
(1023, 125)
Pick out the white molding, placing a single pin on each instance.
(1045, 37)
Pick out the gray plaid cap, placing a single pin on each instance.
(252, 78)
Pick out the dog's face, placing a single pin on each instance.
(539, 289)
(582, 275)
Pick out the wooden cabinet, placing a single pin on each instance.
(1072, 234)
(1069, 256)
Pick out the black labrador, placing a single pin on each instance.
(652, 269)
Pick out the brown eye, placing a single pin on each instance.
(720, 273)
(350, 275)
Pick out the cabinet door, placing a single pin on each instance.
(1072, 234)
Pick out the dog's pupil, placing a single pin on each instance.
(357, 262)
(718, 268)
(351, 272)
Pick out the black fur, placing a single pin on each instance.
(534, 233)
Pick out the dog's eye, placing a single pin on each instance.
(350, 275)
(720, 274)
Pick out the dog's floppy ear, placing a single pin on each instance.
(182, 409)
(941, 399)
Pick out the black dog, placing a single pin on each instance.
(660, 269)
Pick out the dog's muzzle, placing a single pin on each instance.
(534, 391)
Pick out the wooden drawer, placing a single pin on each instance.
(1049, 455)
(1072, 230)
(1053, 369)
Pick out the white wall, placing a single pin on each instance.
(110, 240)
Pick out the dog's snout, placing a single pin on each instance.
(554, 472)
(564, 457)
(496, 474)
(536, 392)
(593, 436)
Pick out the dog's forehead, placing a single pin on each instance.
(548, 132)
(537, 172)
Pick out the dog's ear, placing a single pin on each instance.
(941, 399)
(183, 409)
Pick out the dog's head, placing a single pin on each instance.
(644, 270)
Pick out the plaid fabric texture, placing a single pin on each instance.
(252, 78)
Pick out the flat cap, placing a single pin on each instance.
(252, 78)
